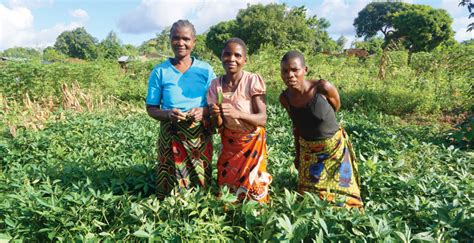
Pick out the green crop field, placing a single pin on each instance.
(77, 156)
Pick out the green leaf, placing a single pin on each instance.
(141, 234)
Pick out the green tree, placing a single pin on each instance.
(372, 45)
(130, 50)
(273, 24)
(22, 52)
(111, 47)
(52, 55)
(200, 49)
(158, 45)
(375, 17)
(417, 27)
(77, 43)
(422, 28)
(341, 42)
(218, 34)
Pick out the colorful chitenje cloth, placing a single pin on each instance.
(242, 164)
(184, 157)
(329, 169)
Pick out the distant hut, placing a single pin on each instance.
(355, 52)
(123, 60)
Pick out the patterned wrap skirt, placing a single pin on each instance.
(242, 164)
(329, 169)
(184, 157)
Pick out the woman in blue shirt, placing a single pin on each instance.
(176, 97)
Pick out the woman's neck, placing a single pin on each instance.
(233, 78)
(302, 89)
(181, 60)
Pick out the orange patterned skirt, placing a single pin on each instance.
(242, 164)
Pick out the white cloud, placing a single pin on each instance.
(153, 15)
(341, 15)
(80, 14)
(460, 26)
(460, 19)
(16, 29)
(30, 4)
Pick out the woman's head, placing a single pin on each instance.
(293, 69)
(183, 38)
(234, 55)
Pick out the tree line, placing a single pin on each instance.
(411, 26)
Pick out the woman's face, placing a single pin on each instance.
(233, 58)
(182, 42)
(293, 72)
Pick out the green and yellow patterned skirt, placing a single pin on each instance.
(329, 169)
(184, 157)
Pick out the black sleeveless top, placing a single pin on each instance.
(316, 120)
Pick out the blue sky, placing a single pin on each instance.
(37, 23)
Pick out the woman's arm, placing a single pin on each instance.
(173, 115)
(327, 89)
(258, 118)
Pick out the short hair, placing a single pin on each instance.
(292, 55)
(237, 41)
(182, 23)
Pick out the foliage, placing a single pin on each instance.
(77, 43)
(434, 83)
(130, 50)
(110, 47)
(463, 135)
(422, 28)
(375, 17)
(275, 25)
(91, 177)
(341, 42)
(99, 78)
(200, 49)
(372, 45)
(418, 27)
(21, 52)
(218, 34)
(50, 54)
(158, 45)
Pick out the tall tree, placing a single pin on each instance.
(375, 17)
(273, 24)
(111, 47)
(130, 50)
(341, 42)
(372, 45)
(158, 45)
(21, 52)
(201, 50)
(77, 43)
(52, 55)
(422, 28)
(218, 34)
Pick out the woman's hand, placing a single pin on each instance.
(229, 111)
(196, 113)
(214, 110)
(175, 115)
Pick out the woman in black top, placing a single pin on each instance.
(324, 156)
